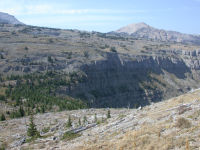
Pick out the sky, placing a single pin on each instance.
(106, 15)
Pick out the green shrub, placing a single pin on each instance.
(2, 98)
(2, 117)
(26, 48)
(113, 49)
(70, 135)
(46, 129)
(86, 54)
(3, 146)
(50, 59)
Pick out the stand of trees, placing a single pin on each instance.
(37, 93)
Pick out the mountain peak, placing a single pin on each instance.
(143, 31)
(8, 19)
(132, 28)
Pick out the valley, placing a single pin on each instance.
(108, 68)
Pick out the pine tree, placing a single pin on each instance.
(95, 117)
(79, 121)
(28, 111)
(108, 114)
(37, 109)
(85, 119)
(2, 118)
(43, 109)
(69, 122)
(21, 111)
(32, 130)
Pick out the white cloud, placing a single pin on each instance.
(23, 7)
(37, 9)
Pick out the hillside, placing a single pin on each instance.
(174, 123)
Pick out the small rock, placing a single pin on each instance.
(20, 142)
(54, 138)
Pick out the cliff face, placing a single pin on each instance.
(120, 81)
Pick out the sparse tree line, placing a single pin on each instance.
(33, 133)
(85, 121)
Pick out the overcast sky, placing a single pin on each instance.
(106, 15)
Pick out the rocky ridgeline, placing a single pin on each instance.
(192, 53)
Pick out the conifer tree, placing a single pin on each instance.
(69, 122)
(2, 118)
(95, 117)
(43, 109)
(32, 130)
(108, 114)
(21, 111)
(85, 119)
(79, 121)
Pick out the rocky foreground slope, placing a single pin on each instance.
(171, 124)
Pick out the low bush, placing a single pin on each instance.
(70, 135)
(183, 123)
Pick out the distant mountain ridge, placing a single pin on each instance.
(142, 30)
(137, 30)
(5, 18)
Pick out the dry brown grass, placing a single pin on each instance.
(151, 136)
(147, 138)
(187, 146)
